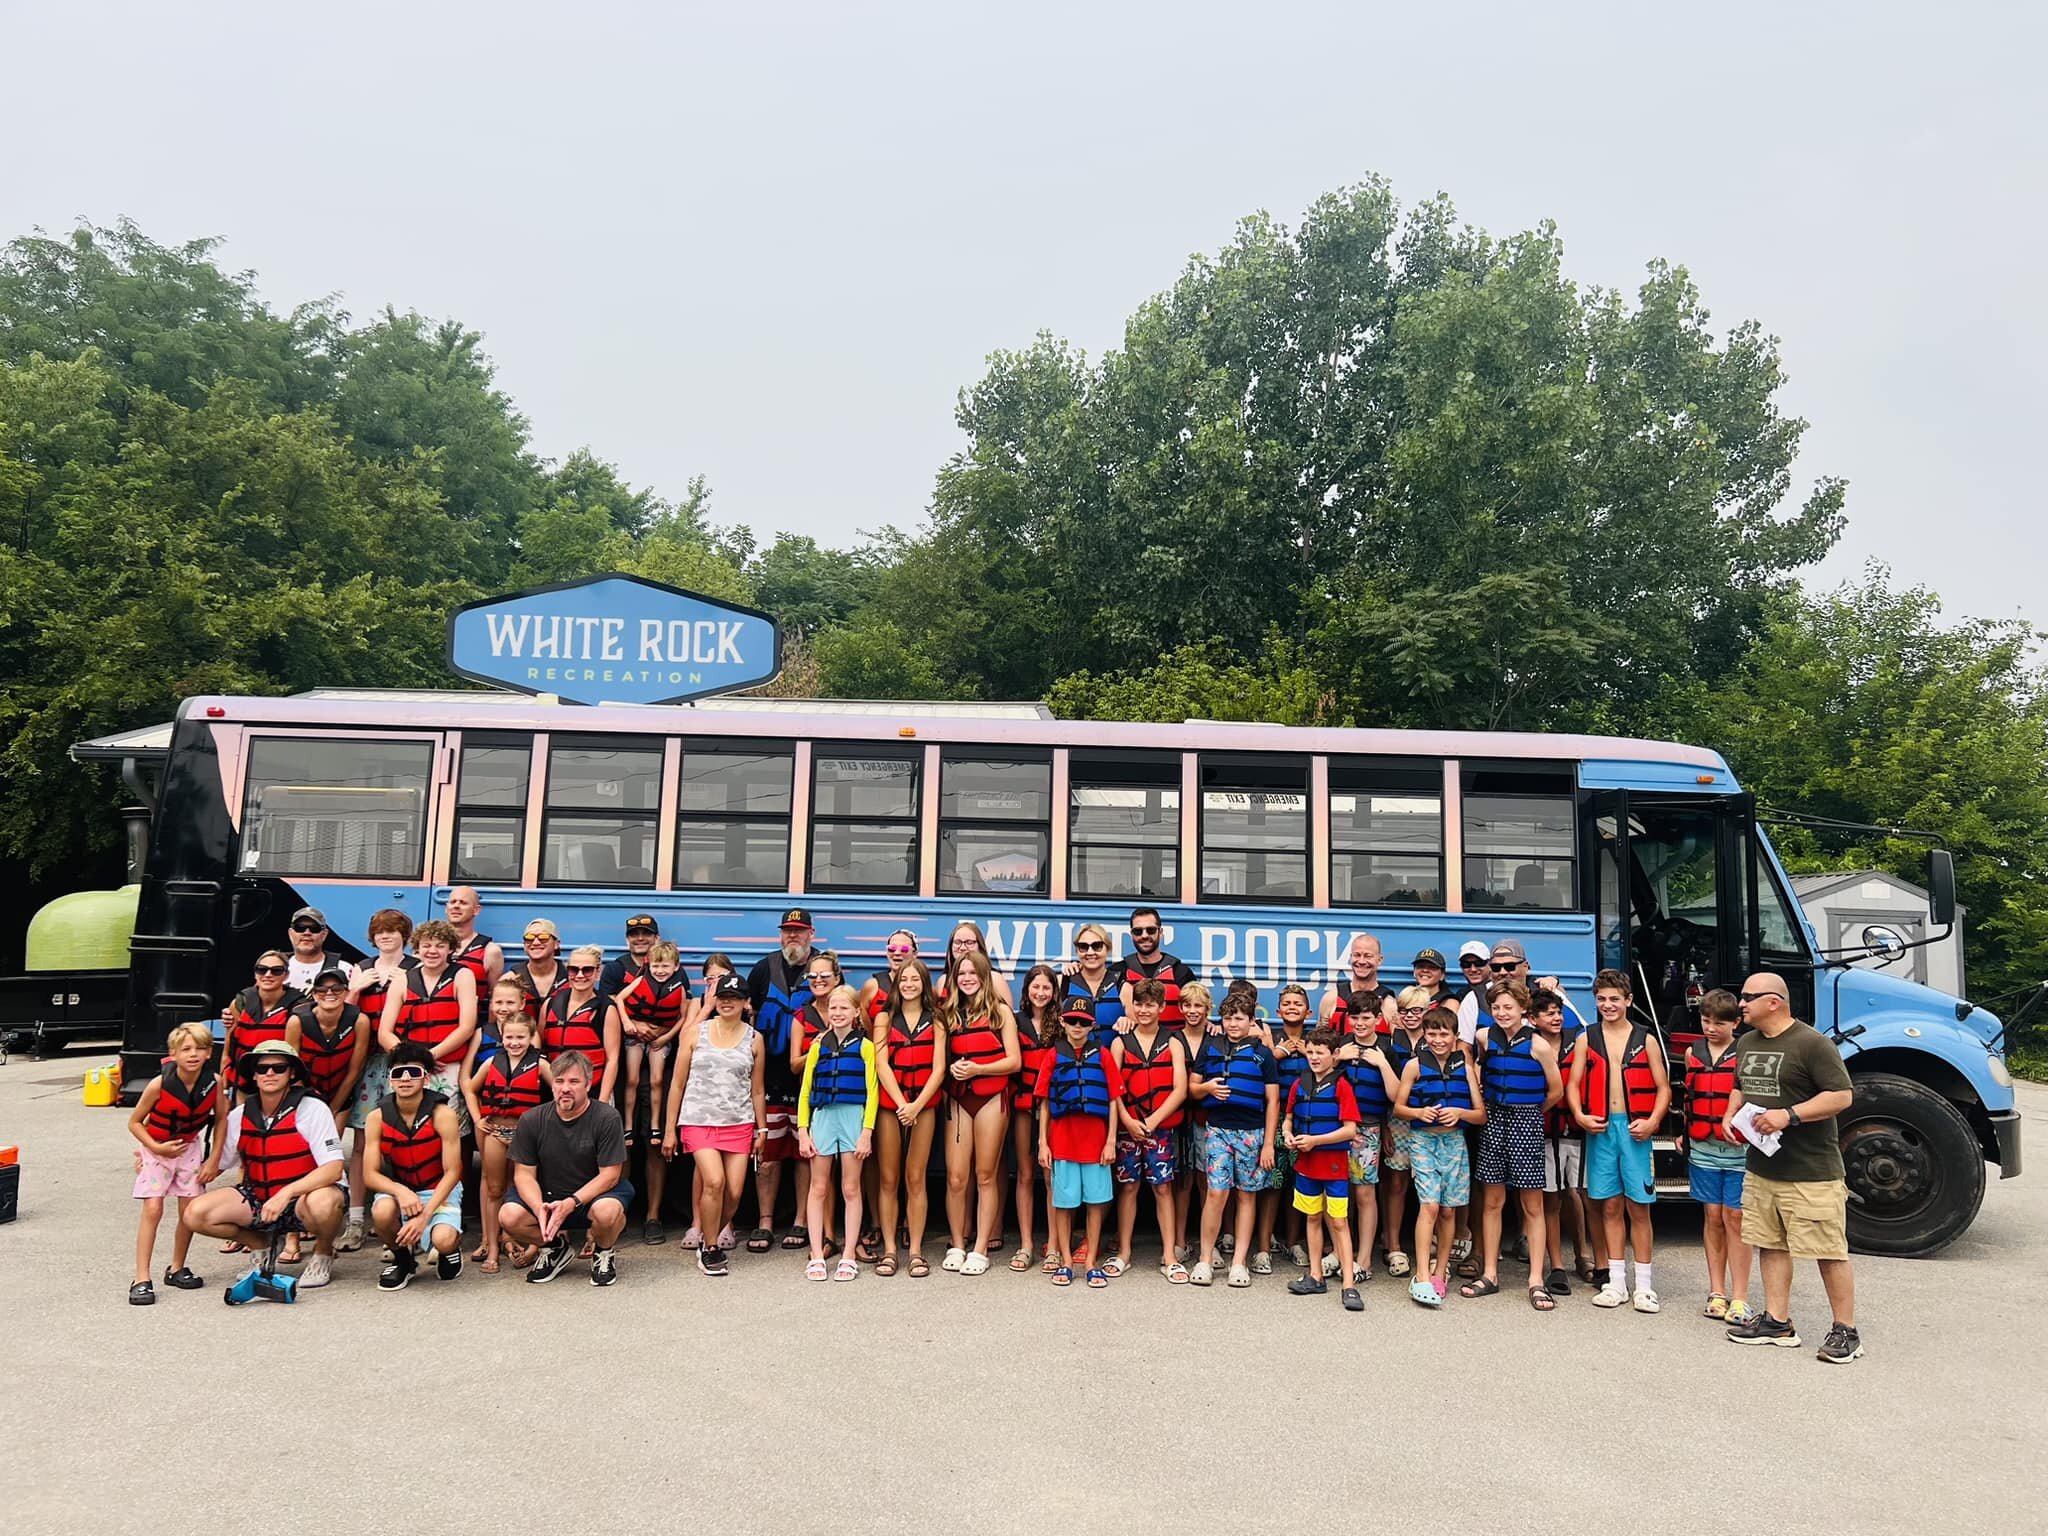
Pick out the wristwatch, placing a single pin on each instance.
(1791, 1117)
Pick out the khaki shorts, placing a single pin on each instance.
(1806, 1220)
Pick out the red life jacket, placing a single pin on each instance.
(1368, 1001)
(1036, 1053)
(884, 999)
(979, 1040)
(275, 1152)
(1148, 1079)
(1708, 1084)
(411, 1153)
(1163, 970)
(326, 1059)
(471, 957)
(506, 1091)
(910, 1055)
(567, 1028)
(178, 1115)
(810, 1023)
(1638, 1086)
(371, 998)
(430, 1016)
(254, 1025)
(531, 994)
(659, 1003)
(1558, 1124)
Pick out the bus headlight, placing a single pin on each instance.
(1999, 1075)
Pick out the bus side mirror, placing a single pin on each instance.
(1941, 887)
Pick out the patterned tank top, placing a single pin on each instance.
(721, 1086)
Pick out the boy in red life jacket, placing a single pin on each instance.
(285, 1143)
(178, 1113)
(1320, 1123)
(1078, 1088)
(413, 1164)
(1154, 1063)
(1618, 1092)
(1715, 1156)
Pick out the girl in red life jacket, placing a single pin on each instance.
(1038, 1032)
(878, 992)
(389, 969)
(982, 1051)
(500, 1087)
(257, 1013)
(910, 1064)
(173, 1121)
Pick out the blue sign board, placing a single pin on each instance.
(614, 640)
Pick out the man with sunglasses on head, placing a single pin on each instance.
(1795, 1201)
(1146, 961)
(310, 954)
(641, 933)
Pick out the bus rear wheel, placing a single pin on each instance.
(1915, 1171)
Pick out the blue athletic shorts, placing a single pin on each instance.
(1717, 1186)
(445, 1215)
(1077, 1184)
(1148, 1160)
(1317, 1197)
(1618, 1164)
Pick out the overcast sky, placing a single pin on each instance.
(770, 244)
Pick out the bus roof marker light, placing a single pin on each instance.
(906, 730)
(216, 712)
(1703, 778)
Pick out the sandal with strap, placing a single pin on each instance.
(1098, 1279)
(1062, 1275)
(1020, 1261)
(1478, 1288)
(885, 1266)
(1052, 1260)
(1541, 1299)
(815, 1270)
(849, 1269)
(1176, 1273)
(869, 1249)
(760, 1240)
(919, 1266)
(1114, 1265)
(797, 1237)
(1469, 1268)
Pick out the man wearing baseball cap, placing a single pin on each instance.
(779, 988)
(285, 1142)
(641, 932)
(310, 954)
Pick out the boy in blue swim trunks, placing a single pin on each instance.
(1078, 1086)
(1618, 1092)
(1237, 1079)
(1715, 1157)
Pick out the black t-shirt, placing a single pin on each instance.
(617, 971)
(565, 1155)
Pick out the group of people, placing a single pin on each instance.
(1343, 1132)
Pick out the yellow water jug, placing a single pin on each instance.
(102, 1086)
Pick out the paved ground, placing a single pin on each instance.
(996, 1402)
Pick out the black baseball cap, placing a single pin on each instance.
(731, 984)
(1433, 957)
(1077, 1013)
(332, 976)
(796, 917)
(641, 922)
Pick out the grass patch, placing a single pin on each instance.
(2028, 1061)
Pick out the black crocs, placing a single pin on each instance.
(183, 1279)
(142, 1294)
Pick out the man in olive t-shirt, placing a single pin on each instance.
(1795, 1201)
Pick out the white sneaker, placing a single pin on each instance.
(351, 1237)
(1646, 1301)
(1611, 1295)
(319, 1271)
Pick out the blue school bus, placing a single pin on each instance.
(1265, 848)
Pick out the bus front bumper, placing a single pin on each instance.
(2005, 1129)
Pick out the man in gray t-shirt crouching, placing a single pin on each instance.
(568, 1175)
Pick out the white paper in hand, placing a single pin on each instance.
(1766, 1142)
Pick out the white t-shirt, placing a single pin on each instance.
(299, 974)
(314, 1120)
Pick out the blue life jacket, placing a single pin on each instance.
(1509, 1074)
(1079, 1084)
(776, 1016)
(839, 1075)
(1243, 1068)
(1291, 1068)
(1440, 1085)
(1108, 1005)
(1315, 1111)
(1368, 1087)
(1399, 1052)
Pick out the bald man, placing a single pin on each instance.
(1795, 1201)
(475, 952)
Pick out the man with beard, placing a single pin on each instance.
(1148, 962)
(641, 933)
(779, 988)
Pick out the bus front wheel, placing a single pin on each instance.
(1915, 1171)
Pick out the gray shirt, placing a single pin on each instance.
(565, 1155)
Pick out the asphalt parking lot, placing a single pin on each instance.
(760, 1401)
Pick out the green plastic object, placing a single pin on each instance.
(85, 931)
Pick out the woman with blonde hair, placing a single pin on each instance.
(981, 1042)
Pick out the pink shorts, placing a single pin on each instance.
(179, 1176)
(717, 1138)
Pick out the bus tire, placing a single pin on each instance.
(1915, 1170)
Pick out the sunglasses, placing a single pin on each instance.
(329, 992)
(901, 950)
(541, 938)
(1504, 965)
(1751, 997)
(581, 970)
(271, 1068)
(1472, 962)
(405, 1074)
(1143, 933)
(822, 979)
(270, 970)
(1090, 947)
(307, 928)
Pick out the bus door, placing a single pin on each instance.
(1676, 882)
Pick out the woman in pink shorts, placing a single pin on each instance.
(721, 1112)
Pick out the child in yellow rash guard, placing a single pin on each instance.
(835, 1117)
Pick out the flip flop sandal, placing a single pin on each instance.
(1061, 1275)
(1558, 1283)
(760, 1240)
(919, 1266)
(1176, 1274)
(488, 1264)
(1114, 1265)
(1020, 1261)
(1098, 1279)
(885, 1266)
(1478, 1288)
(477, 1254)
(815, 1270)
(869, 1249)
(1541, 1300)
